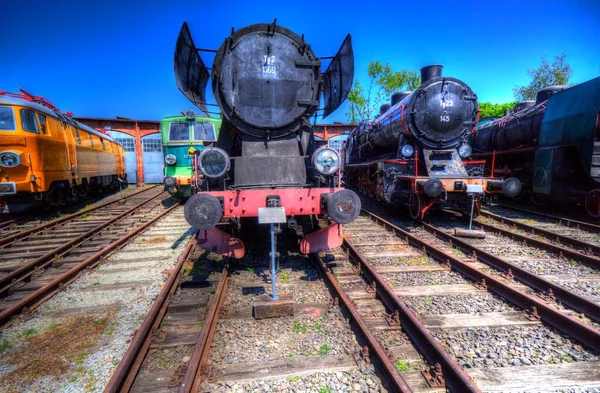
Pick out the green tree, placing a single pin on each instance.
(487, 109)
(547, 74)
(383, 81)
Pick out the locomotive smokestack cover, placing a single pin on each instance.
(430, 72)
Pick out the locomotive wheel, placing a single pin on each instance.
(415, 207)
(592, 203)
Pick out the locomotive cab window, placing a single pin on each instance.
(102, 143)
(42, 122)
(28, 121)
(179, 131)
(204, 131)
(77, 135)
(7, 119)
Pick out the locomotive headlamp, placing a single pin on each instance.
(464, 150)
(407, 151)
(9, 159)
(190, 114)
(213, 162)
(170, 159)
(326, 161)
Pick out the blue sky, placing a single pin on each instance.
(115, 58)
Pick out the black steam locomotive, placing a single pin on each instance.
(267, 83)
(414, 152)
(552, 145)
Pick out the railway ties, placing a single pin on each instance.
(229, 349)
(585, 239)
(490, 329)
(14, 230)
(31, 269)
(107, 304)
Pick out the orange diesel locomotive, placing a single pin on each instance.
(47, 157)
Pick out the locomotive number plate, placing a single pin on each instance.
(271, 215)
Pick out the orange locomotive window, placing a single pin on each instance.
(7, 119)
(42, 122)
(28, 121)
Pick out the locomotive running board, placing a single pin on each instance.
(191, 75)
(337, 80)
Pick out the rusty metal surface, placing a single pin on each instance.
(36, 297)
(23, 272)
(456, 378)
(579, 331)
(10, 239)
(595, 249)
(588, 260)
(193, 376)
(395, 378)
(125, 374)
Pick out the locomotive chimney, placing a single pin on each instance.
(384, 108)
(397, 97)
(429, 72)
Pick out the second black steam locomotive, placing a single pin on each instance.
(414, 152)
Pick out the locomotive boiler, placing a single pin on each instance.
(413, 153)
(267, 82)
(551, 145)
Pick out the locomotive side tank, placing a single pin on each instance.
(267, 82)
(413, 152)
(553, 147)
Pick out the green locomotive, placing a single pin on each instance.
(181, 137)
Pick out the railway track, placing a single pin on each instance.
(202, 334)
(35, 265)
(577, 238)
(490, 328)
(14, 230)
(77, 338)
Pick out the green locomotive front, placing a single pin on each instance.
(181, 136)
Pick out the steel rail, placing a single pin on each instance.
(570, 326)
(533, 280)
(40, 295)
(10, 239)
(588, 226)
(394, 376)
(124, 376)
(26, 270)
(454, 375)
(588, 260)
(595, 249)
(6, 223)
(193, 374)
